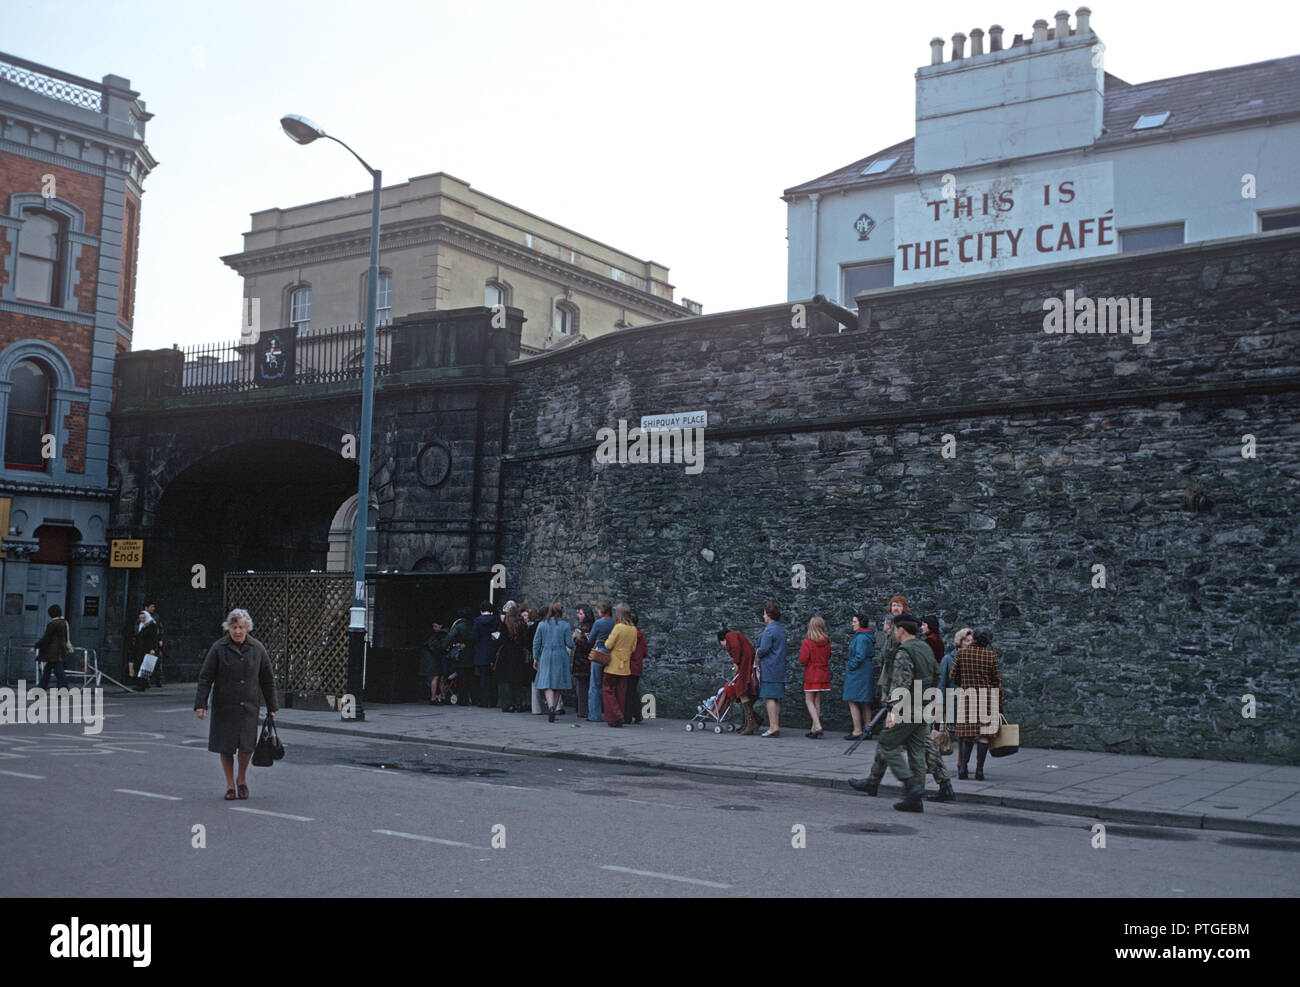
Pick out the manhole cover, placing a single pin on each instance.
(873, 829)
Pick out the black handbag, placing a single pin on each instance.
(268, 749)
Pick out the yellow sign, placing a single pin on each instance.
(126, 553)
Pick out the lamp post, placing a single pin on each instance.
(304, 131)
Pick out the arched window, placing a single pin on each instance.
(28, 419)
(300, 310)
(566, 319)
(496, 293)
(40, 257)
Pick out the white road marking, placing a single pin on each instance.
(178, 709)
(665, 877)
(19, 774)
(279, 815)
(518, 788)
(149, 795)
(426, 839)
(195, 740)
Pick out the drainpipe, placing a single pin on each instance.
(815, 199)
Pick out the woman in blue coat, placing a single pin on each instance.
(551, 643)
(770, 655)
(859, 675)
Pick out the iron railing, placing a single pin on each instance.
(320, 356)
(51, 82)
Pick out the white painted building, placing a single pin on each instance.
(1030, 152)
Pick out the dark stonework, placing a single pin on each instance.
(824, 450)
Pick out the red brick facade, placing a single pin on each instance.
(74, 453)
(86, 192)
(130, 243)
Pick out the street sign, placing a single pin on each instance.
(126, 553)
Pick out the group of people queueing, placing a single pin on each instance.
(499, 657)
(911, 653)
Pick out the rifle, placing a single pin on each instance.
(870, 730)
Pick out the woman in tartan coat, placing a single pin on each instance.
(975, 667)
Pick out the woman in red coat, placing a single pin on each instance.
(745, 687)
(815, 657)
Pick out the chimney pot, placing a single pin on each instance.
(1040, 30)
(995, 37)
(958, 45)
(1062, 25)
(936, 51)
(1082, 14)
(976, 41)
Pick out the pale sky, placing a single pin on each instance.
(668, 129)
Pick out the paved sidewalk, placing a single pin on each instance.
(1221, 795)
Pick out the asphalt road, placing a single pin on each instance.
(116, 815)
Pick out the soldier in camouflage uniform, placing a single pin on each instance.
(930, 754)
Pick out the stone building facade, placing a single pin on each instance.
(443, 245)
(73, 161)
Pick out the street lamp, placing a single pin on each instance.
(304, 131)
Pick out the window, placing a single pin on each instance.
(1132, 241)
(40, 253)
(879, 166)
(566, 319)
(28, 420)
(384, 300)
(1279, 221)
(496, 293)
(864, 277)
(300, 310)
(1150, 121)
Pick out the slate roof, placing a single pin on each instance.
(1220, 97)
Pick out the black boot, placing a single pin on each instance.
(963, 759)
(912, 798)
(979, 761)
(946, 794)
(865, 785)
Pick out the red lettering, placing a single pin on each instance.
(1042, 247)
(1067, 191)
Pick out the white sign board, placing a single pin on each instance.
(1004, 223)
(678, 420)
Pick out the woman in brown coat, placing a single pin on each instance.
(235, 669)
(975, 667)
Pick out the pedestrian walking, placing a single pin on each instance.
(771, 656)
(581, 667)
(815, 657)
(888, 649)
(902, 743)
(959, 640)
(744, 684)
(54, 648)
(486, 630)
(859, 675)
(551, 645)
(236, 675)
(144, 644)
(632, 708)
(599, 631)
(974, 668)
(620, 641)
(930, 625)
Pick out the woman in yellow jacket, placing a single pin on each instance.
(620, 644)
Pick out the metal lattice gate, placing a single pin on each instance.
(302, 619)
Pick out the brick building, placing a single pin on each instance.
(72, 166)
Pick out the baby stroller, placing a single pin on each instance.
(716, 710)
